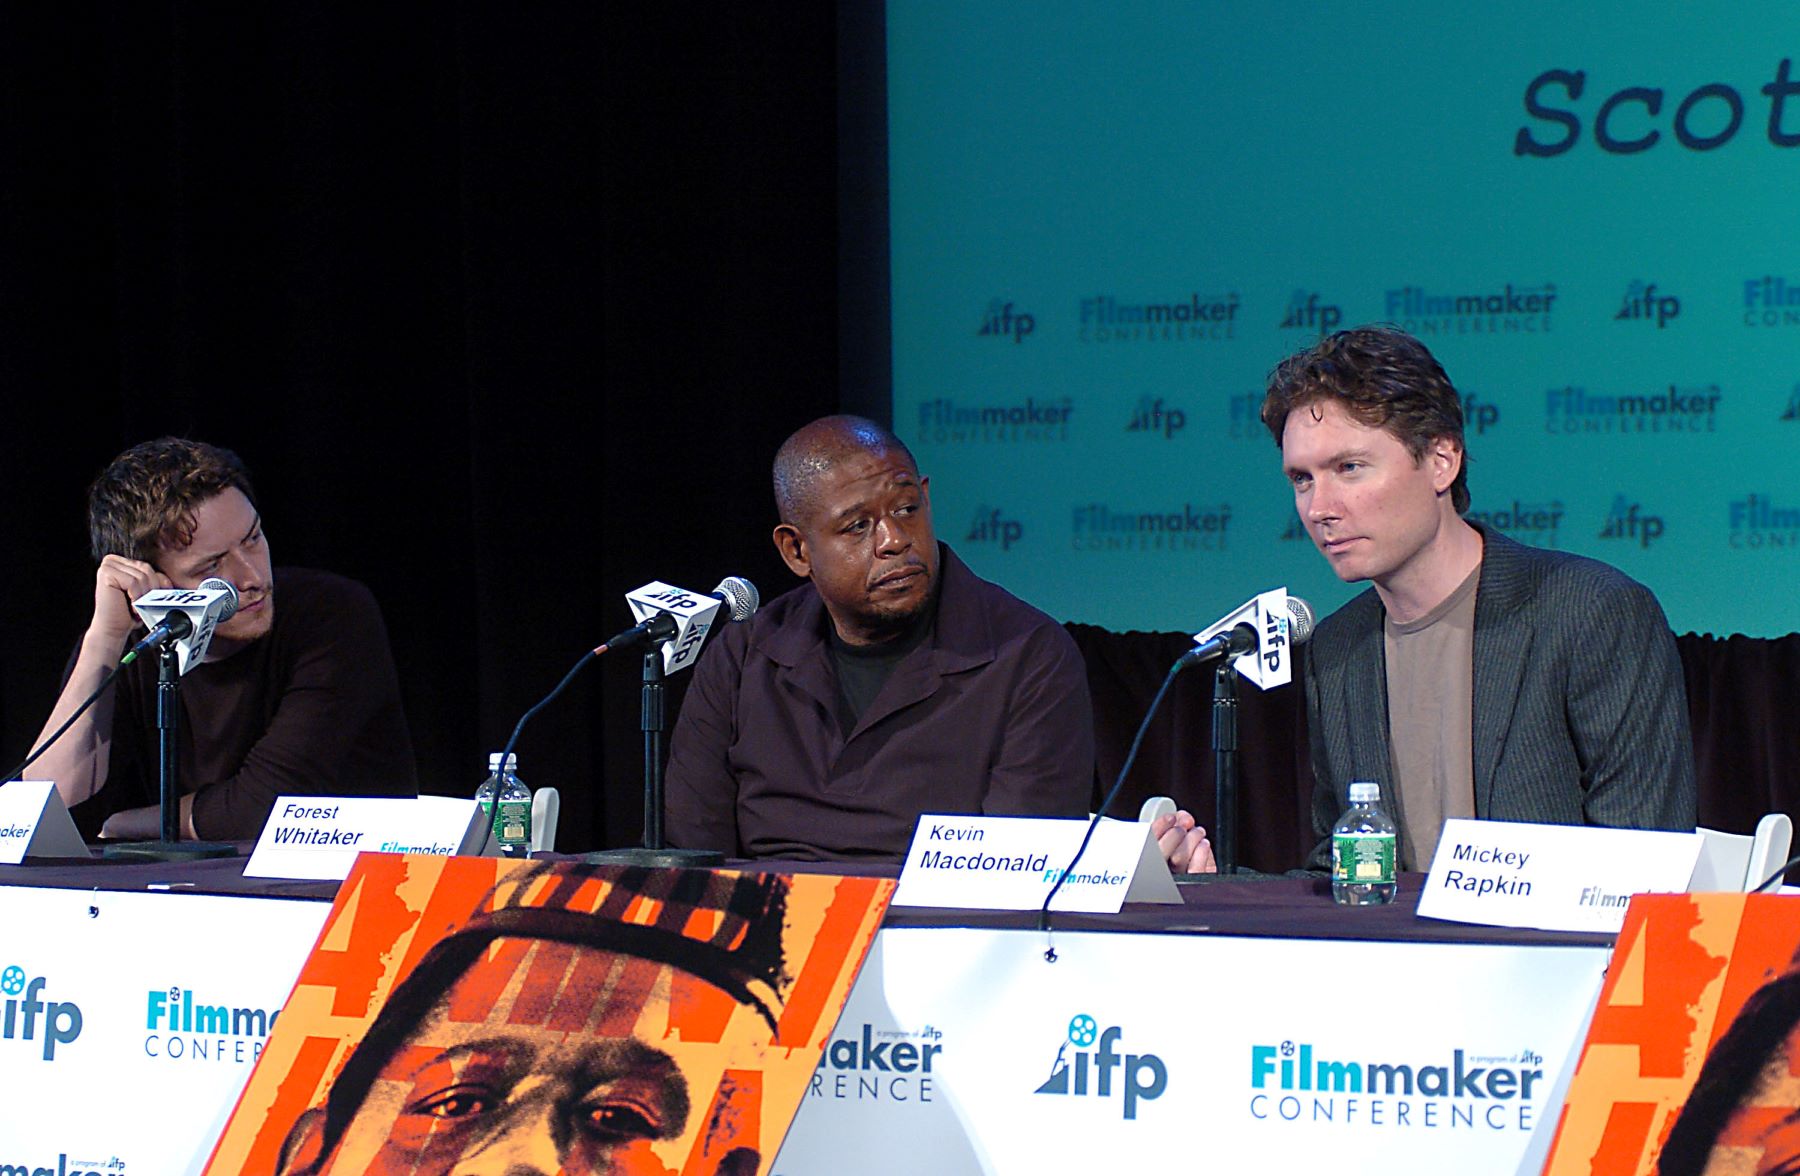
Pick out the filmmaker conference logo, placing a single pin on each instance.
(995, 526)
(1479, 415)
(1154, 418)
(1673, 408)
(1307, 311)
(1536, 523)
(949, 421)
(41, 1026)
(181, 1026)
(878, 1065)
(1629, 521)
(1001, 321)
(1496, 310)
(1303, 1081)
(1771, 301)
(1090, 1065)
(1644, 303)
(1188, 318)
(1759, 521)
(1101, 526)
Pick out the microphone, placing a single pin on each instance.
(186, 616)
(1266, 626)
(679, 620)
(1238, 639)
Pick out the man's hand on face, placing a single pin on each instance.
(117, 583)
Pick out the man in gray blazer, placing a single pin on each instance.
(1478, 677)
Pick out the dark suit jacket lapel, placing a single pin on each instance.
(1502, 646)
(799, 647)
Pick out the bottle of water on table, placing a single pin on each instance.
(1363, 850)
(512, 810)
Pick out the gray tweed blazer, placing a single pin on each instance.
(1580, 714)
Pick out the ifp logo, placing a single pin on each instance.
(26, 1016)
(1085, 1072)
(1003, 322)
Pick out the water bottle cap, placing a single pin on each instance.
(512, 761)
(1364, 792)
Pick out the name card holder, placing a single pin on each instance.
(34, 823)
(1551, 877)
(1010, 864)
(318, 837)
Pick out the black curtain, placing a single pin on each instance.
(507, 307)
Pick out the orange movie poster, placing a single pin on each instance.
(477, 1014)
(1692, 1064)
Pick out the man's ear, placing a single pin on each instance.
(792, 546)
(1446, 458)
(300, 1151)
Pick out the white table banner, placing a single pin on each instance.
(963, 1051)
(129, 1022)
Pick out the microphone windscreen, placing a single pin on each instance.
(1300, 620)
(230, 607)
(740, 597)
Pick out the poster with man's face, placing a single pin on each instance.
(1692, 1064)
(477, 1014)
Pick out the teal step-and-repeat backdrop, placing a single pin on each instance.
(1109, 221)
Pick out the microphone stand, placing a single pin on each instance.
(654, 852)
(168, 745)
(1225, 783)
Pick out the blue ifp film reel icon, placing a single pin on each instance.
(1083, 1029)
(12, 981)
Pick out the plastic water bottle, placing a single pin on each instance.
(490, 788)
(1363, 849)
(512, 808)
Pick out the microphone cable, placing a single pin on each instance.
(19, 772)
(1106, 802)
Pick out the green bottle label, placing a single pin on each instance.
(1358, 858)
(512, 822)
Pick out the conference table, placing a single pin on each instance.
(1255, 1023)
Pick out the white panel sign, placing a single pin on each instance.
(1010, 864)
(129, 1022)
(693, 613)
(34, 823)
(964, 1051)
(1270, 664)
(318, 837)
(1551, 877)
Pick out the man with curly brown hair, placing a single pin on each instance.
(301, 701)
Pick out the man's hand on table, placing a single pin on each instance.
(1183, 843)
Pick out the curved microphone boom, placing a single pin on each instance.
(738, 595)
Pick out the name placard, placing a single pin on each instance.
(1551, 877)
(1010, 864)
(318, 837)
(34, 822)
